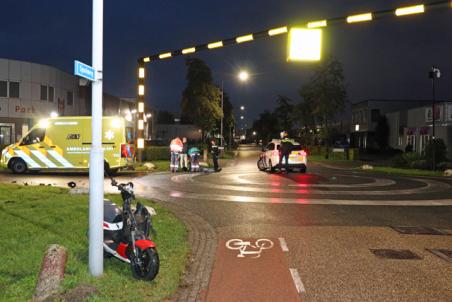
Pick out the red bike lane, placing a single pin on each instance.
(252, 269)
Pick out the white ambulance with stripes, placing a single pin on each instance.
(64, 143)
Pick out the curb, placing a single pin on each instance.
(203, 241)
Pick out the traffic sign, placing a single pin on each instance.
(84, 71)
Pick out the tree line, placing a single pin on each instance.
(311, 117)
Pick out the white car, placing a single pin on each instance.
(269, 159)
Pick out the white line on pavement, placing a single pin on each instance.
(297, 280)
(283, 244)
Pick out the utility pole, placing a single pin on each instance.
(96, 160)
(222, 114)
(434, 74)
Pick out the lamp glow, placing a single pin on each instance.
(410, 10)
(277, 31)
(141, 72)
(147, 59)
(140, 89)
(243, 76)
(140, 107)
(140, 124)
(305, 44)
(53, 114)
(43, 123)
(245, 38)
(140, 143)
(165, 55)
(188, 50)
(215, 45)
(360, 18)
(128, 117)
(316, 24)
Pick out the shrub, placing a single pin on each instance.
(440, 151)
(445, 165)
(406, 159)
(419, 164)
(157, 153)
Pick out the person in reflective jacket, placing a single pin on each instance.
(175, 148)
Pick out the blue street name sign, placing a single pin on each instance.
(84, 71)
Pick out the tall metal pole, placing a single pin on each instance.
(433, 122)
(222, 113)
(96, 160)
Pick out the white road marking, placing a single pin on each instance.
(297, 280)
(283, 244)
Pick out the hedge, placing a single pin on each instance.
(157, 153)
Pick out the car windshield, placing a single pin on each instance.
(35, 136)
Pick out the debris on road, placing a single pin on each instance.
(366, 167)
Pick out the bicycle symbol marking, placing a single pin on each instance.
(247, 248)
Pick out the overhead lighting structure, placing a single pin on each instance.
(165, 55)
(305, 44)
(360, 18)
(141, 89)
(277, 31)
(188, 50)
(245, 38)
(215, 45)
(141, 72)
(317, 24)
(410, 10)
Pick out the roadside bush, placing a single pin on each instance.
(444, 165)
(419, 164)
(405, 160)
(157, 153)
(439, 148)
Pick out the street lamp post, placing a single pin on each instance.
(434, 74)
(96, 167)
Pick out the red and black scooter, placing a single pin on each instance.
(126, 234)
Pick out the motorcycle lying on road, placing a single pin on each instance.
(126, 234)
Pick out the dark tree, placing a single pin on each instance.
(200, 99)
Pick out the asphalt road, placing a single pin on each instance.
(325, 223)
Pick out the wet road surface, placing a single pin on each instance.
(322, 225)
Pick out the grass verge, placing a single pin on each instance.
(34, 217)
(402, 171)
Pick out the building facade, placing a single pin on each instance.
(411, 129)
(30, 92)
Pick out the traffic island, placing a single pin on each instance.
(34, 217)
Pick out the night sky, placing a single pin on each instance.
(388, 58)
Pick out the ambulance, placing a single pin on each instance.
(64, 143)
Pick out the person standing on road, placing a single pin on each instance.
(184, 155)
(175, 148)
(215, 152)
(285, 150)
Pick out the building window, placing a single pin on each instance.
(423, 141)
(43, 93)
(51, 93)
(70, 98)
(3, 89)
(14, 90)
(410, 143)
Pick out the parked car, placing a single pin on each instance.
(269, 158)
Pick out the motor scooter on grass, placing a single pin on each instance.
(126, 234)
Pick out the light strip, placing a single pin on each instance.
(277, 31)
(140, 107)
(147, 59)
(359, 18)
(140, 89)
(141, 72)
(188, 50)
(140, 143)
(245, 38)
(316, 24)
(165, 55)
(215, 45)
(409, 10)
